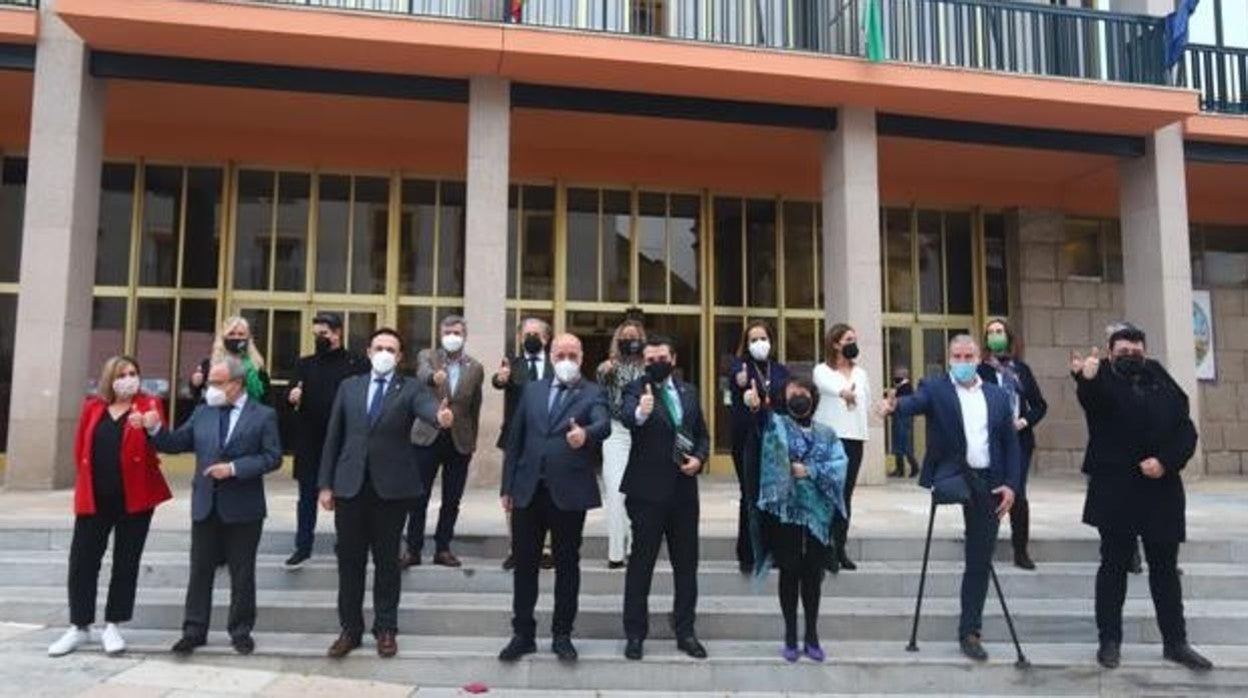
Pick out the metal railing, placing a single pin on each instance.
(21, 3)
(1219, 74)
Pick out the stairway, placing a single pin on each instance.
(455, 621)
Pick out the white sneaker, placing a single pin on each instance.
(113, 642)
(73, 638)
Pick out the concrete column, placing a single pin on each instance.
(485, 279)
(1156, 255)
(851, 255)
(58, 259)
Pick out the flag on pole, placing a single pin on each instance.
(1176, 31)
(873, 30)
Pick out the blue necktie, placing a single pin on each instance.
(223, 424)
(556, 397)
(374, 406)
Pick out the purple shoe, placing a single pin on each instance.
(815, 653)
(790, 654)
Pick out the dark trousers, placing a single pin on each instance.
(368, 524)
(1163, 582)
(801, 559)
(529, 526)
(653, 522)
(840, 524)
(981, 522)
(305, 526)
(1020, 513)
(86, 551)
(745, 463)
(454, 465)
(212, 540)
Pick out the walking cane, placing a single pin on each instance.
(1021, 662)
(918, 601)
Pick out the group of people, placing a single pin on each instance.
(372, 440)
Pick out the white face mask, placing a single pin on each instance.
(760, 349)
(452, 342)
(126, 387)
(216, 397)
(383, 362)
(567, 371)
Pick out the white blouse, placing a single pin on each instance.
(834, 411)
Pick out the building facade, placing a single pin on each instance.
(168, 163)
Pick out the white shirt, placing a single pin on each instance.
(235, 412)
(974, 422)
(849, 422)
(541, 363)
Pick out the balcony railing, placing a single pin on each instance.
(1220, 74)
(20, 3)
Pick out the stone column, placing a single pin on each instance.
(1156, 251)
(58, 259)
(851, 255)
(485, 278)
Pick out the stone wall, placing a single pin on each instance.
(1224, 402)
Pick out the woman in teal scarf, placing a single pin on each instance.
(801, 486)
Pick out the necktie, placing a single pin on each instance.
(556, 397)
(671, 401)
(533, 368)
(223, 424)
(374, 405)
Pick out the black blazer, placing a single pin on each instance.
(319, 376)
(384, 450)
(538, 449)
(514, 387)
(1031, 404)
(652, 474)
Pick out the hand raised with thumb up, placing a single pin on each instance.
(751, 398)
(445, 417)
(151, 420)
(1089, 366)
(135, 420)
(576, 434)
(646, 405)
(504, 371)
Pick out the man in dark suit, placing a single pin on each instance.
(370, 477)
(455, 376)
(317, 378)
(236, 442)
(549, 482)
(532, 364)
(972, 451)
(670, 446)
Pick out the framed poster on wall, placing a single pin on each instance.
(1202, 331)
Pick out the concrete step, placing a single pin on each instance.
(717, 578)
(857, 668)
(719, 617)
(947, 545)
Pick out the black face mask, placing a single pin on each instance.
(800, 406)
(236, 346)
(850, 351)
(322, 344)
(1129, 364)
(659, 371)
(629, 347)
(532, 344)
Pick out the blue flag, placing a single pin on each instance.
(1176, 31)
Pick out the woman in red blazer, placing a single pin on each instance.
(118, 486)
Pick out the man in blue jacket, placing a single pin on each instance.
(972, 457)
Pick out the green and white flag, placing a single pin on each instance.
(873, 31)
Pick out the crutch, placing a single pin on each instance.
(918, 601)
(1021, 662)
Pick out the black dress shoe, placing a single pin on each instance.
(517, 648)
(186, 645)
(1023, 561)
(548, 561)
(243, 644)
(632, 649)
(297, 558)
(509, 563)
(1135, 566)
(1109, 655)
(846, 563)
(1187, 656)
(973, 648)
(563, 648)
(691, 646)
(615, 564)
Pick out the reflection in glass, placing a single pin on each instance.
(108, 334)
(931, 263)
(760, 242)
(294, 192)
(284, 354)
(253, 230)
(727, 334)
(537, 261)
(369, 235)
(360, 326)
(513, 234)
(1112, 237)
(959, 265)
(112, 246)
(197, 326)
(898, 248)
(453, 223)
(162, 207)
(995, 265)
(333, 212)
(801, 345)
(728, 253)
(203, 227)
(652, 248)
(683, 234)
(935, 345)
(12, 205)
(416, 231)
(416, 327)
(799, 254)
(582, 247)
(153, 345)
(616, 244)
(1081, 249)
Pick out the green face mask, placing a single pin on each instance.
(998, 343)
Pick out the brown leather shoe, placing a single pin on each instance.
(387, 646)
(408, 559)
(446, 558)
(343, 645)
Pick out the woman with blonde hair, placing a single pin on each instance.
(235, 340)
(118, 485)
(622, 366)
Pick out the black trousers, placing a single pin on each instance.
(675, 521)
(212, 540)
(529, 526)
(1163, 582)
(86, 551)
(305, 510)
(745, 462)
(366, 524)
(441, 455)
(840, 524)
(801, 559)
